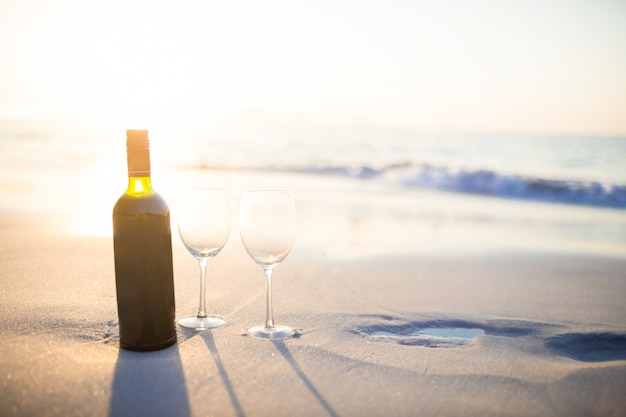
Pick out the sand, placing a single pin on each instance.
(537, 332)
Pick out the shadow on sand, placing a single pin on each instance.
(284, 351)
(210, 342)
(149, 384)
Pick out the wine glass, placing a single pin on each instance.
(267, 223)
(204, 225)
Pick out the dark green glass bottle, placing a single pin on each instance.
(142, 242)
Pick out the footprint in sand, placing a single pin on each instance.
(589, 347)
(435, 334)
(442, 333)
(584, 347)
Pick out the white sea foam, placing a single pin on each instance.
(487, 182)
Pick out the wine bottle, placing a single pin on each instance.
(142, 244)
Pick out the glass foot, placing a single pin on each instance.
(201, 323)
(276, 332)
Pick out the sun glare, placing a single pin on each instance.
(511, 65)
(136, 62)
(140, 69)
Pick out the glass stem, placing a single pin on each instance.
(202, 308)
(269, 314)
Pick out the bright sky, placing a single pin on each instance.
(535, 66)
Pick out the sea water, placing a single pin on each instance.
(427, 187)
(575, 170)
(583, 170)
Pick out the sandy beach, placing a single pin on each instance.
(424, 319)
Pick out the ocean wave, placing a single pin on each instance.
(486, 182)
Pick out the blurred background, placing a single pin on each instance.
(515, 101)
(547, 67)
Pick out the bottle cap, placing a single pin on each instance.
(137, 138)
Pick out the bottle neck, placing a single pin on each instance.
(139, 186)
(138, 161)
(138, 154)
